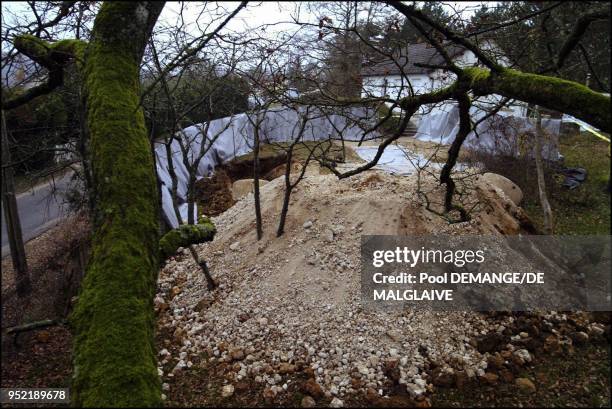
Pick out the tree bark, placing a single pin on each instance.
(11, 216)
(537, 153)
(256, 172)
(465, 127)
(550, 92)
(287, 195)
(115, 363)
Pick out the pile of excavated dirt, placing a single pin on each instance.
(292, 304)
(216, 194)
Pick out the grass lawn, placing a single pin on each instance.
(586, 209)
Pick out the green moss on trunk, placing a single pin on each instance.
(114, 358)
(186, 235)
(553, 93)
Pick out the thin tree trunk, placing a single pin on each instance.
(546, 209)
(287, 196)
(173, 177)
(191, 219)
(256, 171)
(11, 216)
(210, 282)
(465, 128)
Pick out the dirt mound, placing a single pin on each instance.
(295, 300)
(214, 194)
(242, 167)
(280, 171)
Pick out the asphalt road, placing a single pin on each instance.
(39, 210)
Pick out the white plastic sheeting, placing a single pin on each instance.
(584, 126)
(395, 159)
(399, 160)
(499, 134)
(233, 136)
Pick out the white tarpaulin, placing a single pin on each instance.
(399, 160)
(499, 134)
(233, 136)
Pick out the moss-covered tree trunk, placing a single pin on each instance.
(114, 357)
(550, 92)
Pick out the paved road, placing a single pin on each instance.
(39, 210)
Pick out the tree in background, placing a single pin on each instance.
(569, 40)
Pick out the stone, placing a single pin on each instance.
(525, 385)
(506, 375)
(423, 403)
(596, 331)
(308, 402)
(414, 389)
(579, 337)
(371, 395)
(307, 224)
(203, 304)
(524, 354)
(552, 345)
(490, 342)
(269, 394)
(444, 378)
(227, 391)
(237, 354)
(336, 403)
(394, 335)
(461, 379)
(508, 187)
(329, 236)
(517, 360)
(242, 386)
(490, 378)
(175, 291)
(495, 361)
(234, 246)
(312, 388)
(373, 360)
(286, 368)
(179, 334)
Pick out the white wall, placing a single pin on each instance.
(396, 86)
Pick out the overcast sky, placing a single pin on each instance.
(269, 12)
(256, 14)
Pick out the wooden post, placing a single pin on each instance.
(11, 216)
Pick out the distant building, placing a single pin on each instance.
(20, 71)
(413, 68)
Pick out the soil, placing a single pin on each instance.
(214, 194)
(41, 358)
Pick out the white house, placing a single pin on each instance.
(403, 75)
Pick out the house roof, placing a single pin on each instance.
(419, 53)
